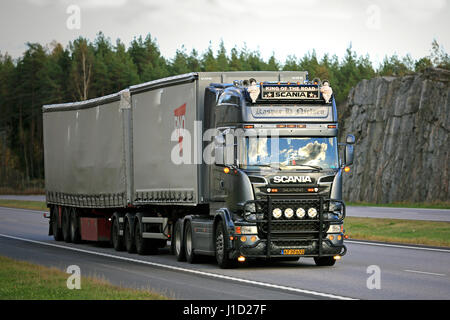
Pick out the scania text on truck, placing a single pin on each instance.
(236, 165)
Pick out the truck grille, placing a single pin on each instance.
(293, 232)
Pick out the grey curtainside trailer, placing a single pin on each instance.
(130, 167)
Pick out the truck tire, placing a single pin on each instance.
(143, 246)
(65, 224)
(75, 235)
(221, 248)
(180, 252)
(116, 239)
(128, 238)
(57, 232)
(191, 257)
(324, 261)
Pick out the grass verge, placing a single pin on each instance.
(23, 204)
(21, 280)
(432, 233)
(419, 205)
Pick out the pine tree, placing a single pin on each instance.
(82, 64)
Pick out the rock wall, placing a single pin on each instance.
(401, 126)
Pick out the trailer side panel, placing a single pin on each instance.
(84, 155)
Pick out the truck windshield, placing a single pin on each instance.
(290, 153)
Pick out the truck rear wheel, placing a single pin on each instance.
(180, 252)
(65, 224)
(324, 261)
(191, 257)
(57, 232)
(222, 249)
(75, 235)
(128, 237)
(117, 240)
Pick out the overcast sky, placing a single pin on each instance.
(285, 27)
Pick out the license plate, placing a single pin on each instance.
(293, 252)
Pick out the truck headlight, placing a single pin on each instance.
(300, 213)
(288, 213)
(312, 212)
(277, 213)
(336, 228)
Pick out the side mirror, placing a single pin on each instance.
(348, 154)
(350, 139)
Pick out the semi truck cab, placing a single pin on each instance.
(276, 182)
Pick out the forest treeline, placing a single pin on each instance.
(85, 69)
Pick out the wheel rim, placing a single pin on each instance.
(177, 241)
(188, 241)
(219, 246)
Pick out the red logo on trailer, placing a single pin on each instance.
(180, 118)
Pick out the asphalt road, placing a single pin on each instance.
(368, 212)
(405, 272)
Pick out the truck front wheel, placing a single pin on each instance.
(222, 249)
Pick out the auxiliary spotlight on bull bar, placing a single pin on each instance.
(295, 229)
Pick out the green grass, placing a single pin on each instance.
(24, 204)
(431, 233)
(419, 205)
(25, 281)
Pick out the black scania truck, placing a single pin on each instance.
(236, 165)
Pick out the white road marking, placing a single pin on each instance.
(397, 246)
(192, 271)
(423, 272)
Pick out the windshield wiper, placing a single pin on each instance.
(311, 166)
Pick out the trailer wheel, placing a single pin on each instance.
(75, 235)
(143, 246)
(128, 237)
(65, 224)
(191, 257)
(180, 253)
(222, 258)
(117, 240)
(57, 232)
(324, 261)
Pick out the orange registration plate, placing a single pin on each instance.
(293, 252)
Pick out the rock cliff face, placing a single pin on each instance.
(401, 126)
